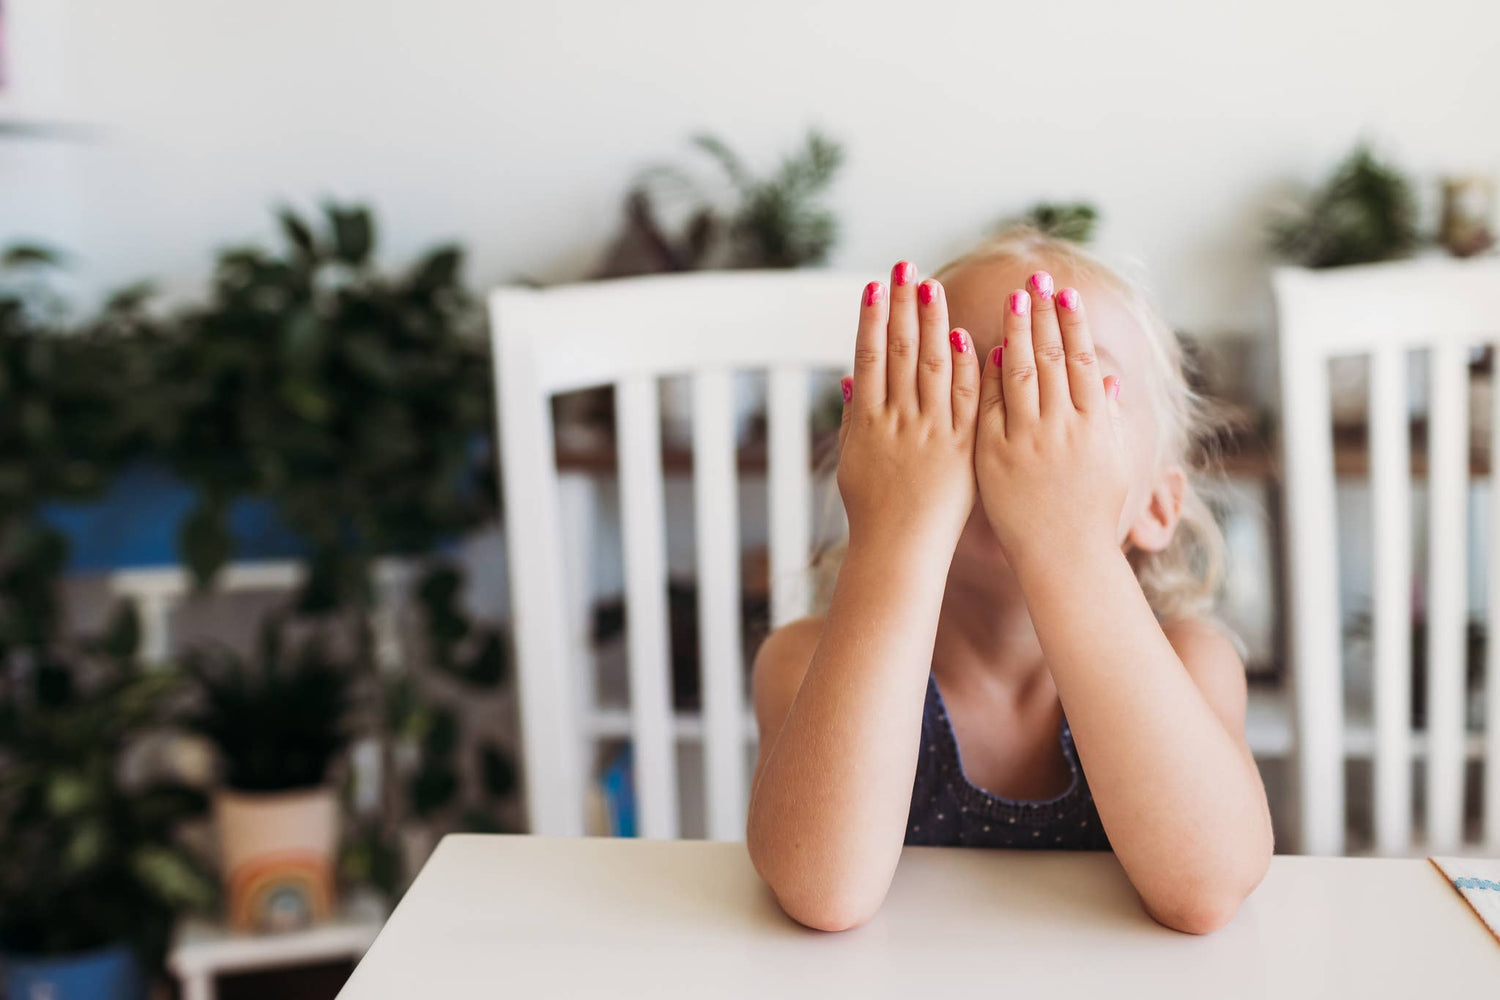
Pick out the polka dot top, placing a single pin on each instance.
(947, 810)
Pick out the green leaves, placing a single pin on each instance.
(777, 220)
(353, 233)
(348, 398)
(277, 725)
(1066, 220)
(204, 541)
(30, 255)
(90, 858)
(1365, 212)
(297, 232)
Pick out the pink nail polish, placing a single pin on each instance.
(1114, 388)
(1042, 282)
(1068, 299)
(873, 292)
(995, 355)
(847, 384)
(956, 338)
(1020, 303)
(1005, 342)
(902, 273)
(926, 292)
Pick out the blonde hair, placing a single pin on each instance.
(1182, 580)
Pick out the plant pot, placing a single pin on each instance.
(106, 974)
(277, 850)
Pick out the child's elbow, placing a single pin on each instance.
(1199, 913)
(823, 911)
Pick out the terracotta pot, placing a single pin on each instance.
(277, 850)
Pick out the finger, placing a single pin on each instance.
(1085, 387)
(934, 356)
(965, 379)
(1047, 346)
(902, 338)
(1022, 406)
(869, 347)
(847, 385)
(992, 415)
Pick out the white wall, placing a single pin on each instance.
(516, 127)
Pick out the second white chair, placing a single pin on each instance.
(630, 333)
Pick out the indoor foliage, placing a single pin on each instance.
(90, 858)
(1365, 212)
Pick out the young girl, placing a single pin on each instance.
(1013, 653)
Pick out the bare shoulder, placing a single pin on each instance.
(780, 665)
(1212, 660)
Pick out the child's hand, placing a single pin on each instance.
(1050, 456)
(906, 459)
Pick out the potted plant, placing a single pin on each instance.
(91, 877)
(278, 725)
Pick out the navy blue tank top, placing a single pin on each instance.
(947, 810)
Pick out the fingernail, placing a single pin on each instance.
(1114, 390)
(926, 292)
(847, 384)
(1042, 282)
(873, 291)
(1068, 299)
(995, 355)
(1005, 342)
(956, 338)
(1020, 302)
(902, 273)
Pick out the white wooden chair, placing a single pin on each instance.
(1386, 311)
(628, 333)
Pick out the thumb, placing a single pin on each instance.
(1112, 393)
(847, 385)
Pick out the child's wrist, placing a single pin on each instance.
(902, 548)
(1076, 560)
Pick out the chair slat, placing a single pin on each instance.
(554, 768)
(790, 493)
(579, 509)
(1390, 491)
(1447, 595)
(1492, 647)
(1311, 552)
(637, 423)
(716, 517)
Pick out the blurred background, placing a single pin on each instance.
(256, 635)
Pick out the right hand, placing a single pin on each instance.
(906, 446)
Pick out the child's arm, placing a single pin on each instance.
(840, 711)
(1158, 721)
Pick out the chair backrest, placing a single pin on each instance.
(1385, 312)
(628, 333)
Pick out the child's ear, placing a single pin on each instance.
(1157, 523)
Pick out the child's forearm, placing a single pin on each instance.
(1177, 790)
(828, 811)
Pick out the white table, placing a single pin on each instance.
(495, 916)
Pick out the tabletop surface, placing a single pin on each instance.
(541, 917)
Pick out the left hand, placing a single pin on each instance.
(1050, 453)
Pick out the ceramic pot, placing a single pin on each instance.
(277, 853)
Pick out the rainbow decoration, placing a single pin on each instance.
(280, 891)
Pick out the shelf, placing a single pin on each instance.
(1268, 729)
(205, 949)
(614, 723)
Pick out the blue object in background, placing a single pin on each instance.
(106, 974)
(618, 781)
(135, 524)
